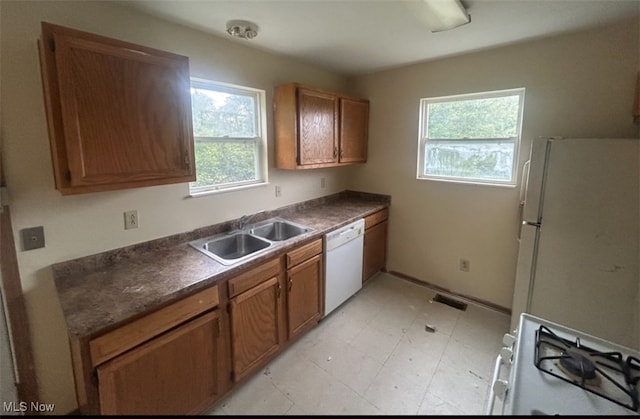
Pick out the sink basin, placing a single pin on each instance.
(241, 245)
(278, 230)
(231, 248)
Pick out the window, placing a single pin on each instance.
(228, 130)
(471, 138)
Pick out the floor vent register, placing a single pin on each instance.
(450, 302)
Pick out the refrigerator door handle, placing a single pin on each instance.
(524, 180)
(531, 223)
(523, 190)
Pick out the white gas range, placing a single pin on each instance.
(549, 369)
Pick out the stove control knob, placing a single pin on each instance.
(508, 339)
(506, 354)
(500, 388)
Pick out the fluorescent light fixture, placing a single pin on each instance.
(441, 15)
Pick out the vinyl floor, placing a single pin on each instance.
(373, 355)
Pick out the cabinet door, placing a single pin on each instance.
(304, 298)
(119, 114)
(255, 326)
(317, 127)
(375, 250)
(176, 373)
(354, 130)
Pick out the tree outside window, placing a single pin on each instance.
(471, 138)
(227, 128)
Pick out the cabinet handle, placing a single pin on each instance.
(335, 151)
(278, 291)
(290, 284)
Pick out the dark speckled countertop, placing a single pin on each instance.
(100, 292)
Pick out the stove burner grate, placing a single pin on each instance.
(578, 365)
(586, 367)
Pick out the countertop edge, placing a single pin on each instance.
(105, 314)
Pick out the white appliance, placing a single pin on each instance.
(549, 369)
(579, 240)
(343, 269)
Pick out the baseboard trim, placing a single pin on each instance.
(474, 300)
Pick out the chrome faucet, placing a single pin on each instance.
(244, 220)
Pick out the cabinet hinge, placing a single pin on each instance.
(52, 45)
(187, 161)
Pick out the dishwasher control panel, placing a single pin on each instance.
(344, 234)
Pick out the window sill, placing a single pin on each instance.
(468, 182)
(207, 192)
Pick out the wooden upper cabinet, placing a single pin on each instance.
(315, 128)
(354, 130)
(317, 124)
(119, 114)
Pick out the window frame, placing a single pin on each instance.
(423, 138)
(259, 141)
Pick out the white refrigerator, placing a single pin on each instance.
(579, 234)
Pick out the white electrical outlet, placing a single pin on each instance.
(130, 219)
(278, 192)
(464, 265)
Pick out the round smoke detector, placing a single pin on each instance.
(242, 29)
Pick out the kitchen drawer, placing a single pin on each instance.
(375, 218)
(139, 331)
(253, 277)
(303, 253)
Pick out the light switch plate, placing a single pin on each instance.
(32, 238)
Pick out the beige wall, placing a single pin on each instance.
(81, 225)
(577, 85)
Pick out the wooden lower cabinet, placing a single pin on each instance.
(304, 296)
(255, 326)
(182, 358)
(176, 373)
(375, 244)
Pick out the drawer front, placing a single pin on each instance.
(303, 253)
(126, 337)
(253, 277)
(376, 218)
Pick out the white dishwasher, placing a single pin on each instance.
(343, 269)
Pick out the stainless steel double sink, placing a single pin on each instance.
(241, 245)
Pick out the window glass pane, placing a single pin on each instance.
(220, 162)
(483, 160)
(492, 117)
(222, 114)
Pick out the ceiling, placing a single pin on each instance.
(354, 37)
